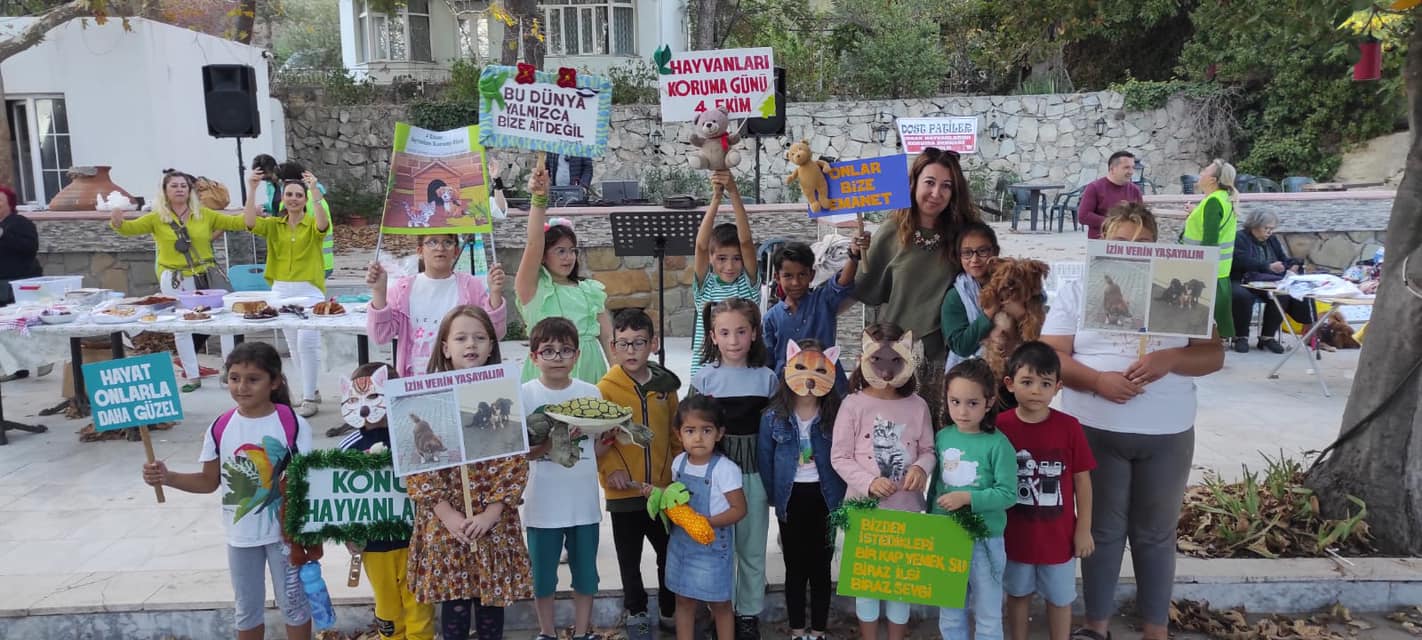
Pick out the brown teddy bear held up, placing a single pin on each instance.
(714, 142)
(811, 174)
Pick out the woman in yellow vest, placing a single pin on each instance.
(294, 267)
(1212, 224)
(182, 231)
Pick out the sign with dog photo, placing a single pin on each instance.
(453, 418)
(1149, 289)
(436, 183)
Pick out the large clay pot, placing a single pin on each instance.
(86, 186)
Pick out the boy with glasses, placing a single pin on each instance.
(560, 509)
(651, 392)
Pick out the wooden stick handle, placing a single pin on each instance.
(1141, 347)
(148, 449)
(464, 478)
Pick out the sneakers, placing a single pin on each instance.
(747, 627)
(307, 409)
(586, 636)
(544, 636)
(1241, 345)
(639, 627)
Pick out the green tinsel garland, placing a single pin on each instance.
(297, 507)
(971, 522)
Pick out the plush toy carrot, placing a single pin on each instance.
(671, 503)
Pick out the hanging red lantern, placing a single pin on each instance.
(1369, 64)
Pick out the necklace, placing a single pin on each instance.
(925, 241)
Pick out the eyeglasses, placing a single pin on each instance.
(563, 252)
(623, 345)
(437, 243)
(935, 153)
(982, 253)
(557, 354)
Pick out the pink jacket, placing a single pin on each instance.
(394, 320)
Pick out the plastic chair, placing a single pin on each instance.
(1295, 184)
(248, 277)
(1265, 185)
(1187, 184)
(1022, 201)
(1064, 203)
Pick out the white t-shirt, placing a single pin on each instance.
(727, 478)
(1166, 407)
(557, 496)
(251, 448)
(430, 299)
(806, 471)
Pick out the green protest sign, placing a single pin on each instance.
(907, 557)
(345, 496)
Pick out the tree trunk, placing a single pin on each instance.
(246, 21)
(703, 25)
(1378, 454)
(525, 11)
(7, 154)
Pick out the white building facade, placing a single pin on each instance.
(100, 95)
(420, 41)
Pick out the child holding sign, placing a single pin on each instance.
(548, 285)
(474, 565)
(978, 473)
(250, 442)
(883, 446)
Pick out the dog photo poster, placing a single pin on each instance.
(448, 419)
(1149, 289)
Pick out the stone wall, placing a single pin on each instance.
(1046, 138)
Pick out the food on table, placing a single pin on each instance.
(120, 312)
(293, 308)
(196, 315)
(202, 308)
(152, 317)
(262, 313)
(155, 300)
(249, 306)
(328, 308)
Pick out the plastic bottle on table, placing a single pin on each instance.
(323, 615)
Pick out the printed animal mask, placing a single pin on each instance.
(363, 400)
(810, 373)
(886, 364)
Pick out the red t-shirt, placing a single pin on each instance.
(1041, 525)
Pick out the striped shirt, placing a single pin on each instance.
(713, 290)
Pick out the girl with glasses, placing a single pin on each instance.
(410, 310)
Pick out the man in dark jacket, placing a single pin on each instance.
(1259, 257)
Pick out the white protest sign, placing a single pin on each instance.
(948, 134)
(339, 497)
(741, 81)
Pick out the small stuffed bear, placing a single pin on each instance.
(811, 174)
(713, 141)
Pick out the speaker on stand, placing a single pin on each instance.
(230, 97)
(773, 126)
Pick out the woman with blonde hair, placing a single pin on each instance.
(911, 262)
(182, 231)
(1212, 224)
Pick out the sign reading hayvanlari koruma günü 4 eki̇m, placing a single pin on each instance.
(741, 81)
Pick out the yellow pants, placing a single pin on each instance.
(397, 614)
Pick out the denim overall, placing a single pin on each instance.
(698, 571)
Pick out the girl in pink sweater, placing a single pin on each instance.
(412, 309)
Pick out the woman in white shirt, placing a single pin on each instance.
(1139, 415)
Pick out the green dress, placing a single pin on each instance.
(581, 303)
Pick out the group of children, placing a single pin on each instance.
(766, 423)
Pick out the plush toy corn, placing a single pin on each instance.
(671, 504)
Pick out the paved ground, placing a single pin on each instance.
(80, 532)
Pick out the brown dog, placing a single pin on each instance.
(427, 445)
(1017, 280)
(1336, 333)
(1114, 303)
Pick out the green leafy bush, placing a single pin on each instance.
(349, 201)
(634, 82)
(1144, 95)
(443, 115)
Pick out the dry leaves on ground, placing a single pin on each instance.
(356, 239)
(88, 434)
(1233, 624)
(1409, 619)
(1268, 516)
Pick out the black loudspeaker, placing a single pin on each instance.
(230, 94)
(774, 125)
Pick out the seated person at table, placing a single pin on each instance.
(1259, 257)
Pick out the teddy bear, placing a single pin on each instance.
(810, 173)
(713, 141)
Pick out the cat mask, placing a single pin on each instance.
(810, 372)
(886, 364)
(363, 400)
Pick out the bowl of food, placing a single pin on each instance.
(58, 316)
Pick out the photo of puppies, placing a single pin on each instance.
(425, 432)
(1116, 294)
(491, 418)
(1181, 301)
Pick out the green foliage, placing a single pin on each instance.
(443, 115)
(634, 82)
(891, 51)
(660, 181)
(1143, 95)
(463, 85)
(1298, 107)
(306, 33)
(800, 34)
(342, 87)
(349, 201)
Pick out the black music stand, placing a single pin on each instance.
(657, 234)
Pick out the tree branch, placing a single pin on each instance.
(33, 34)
